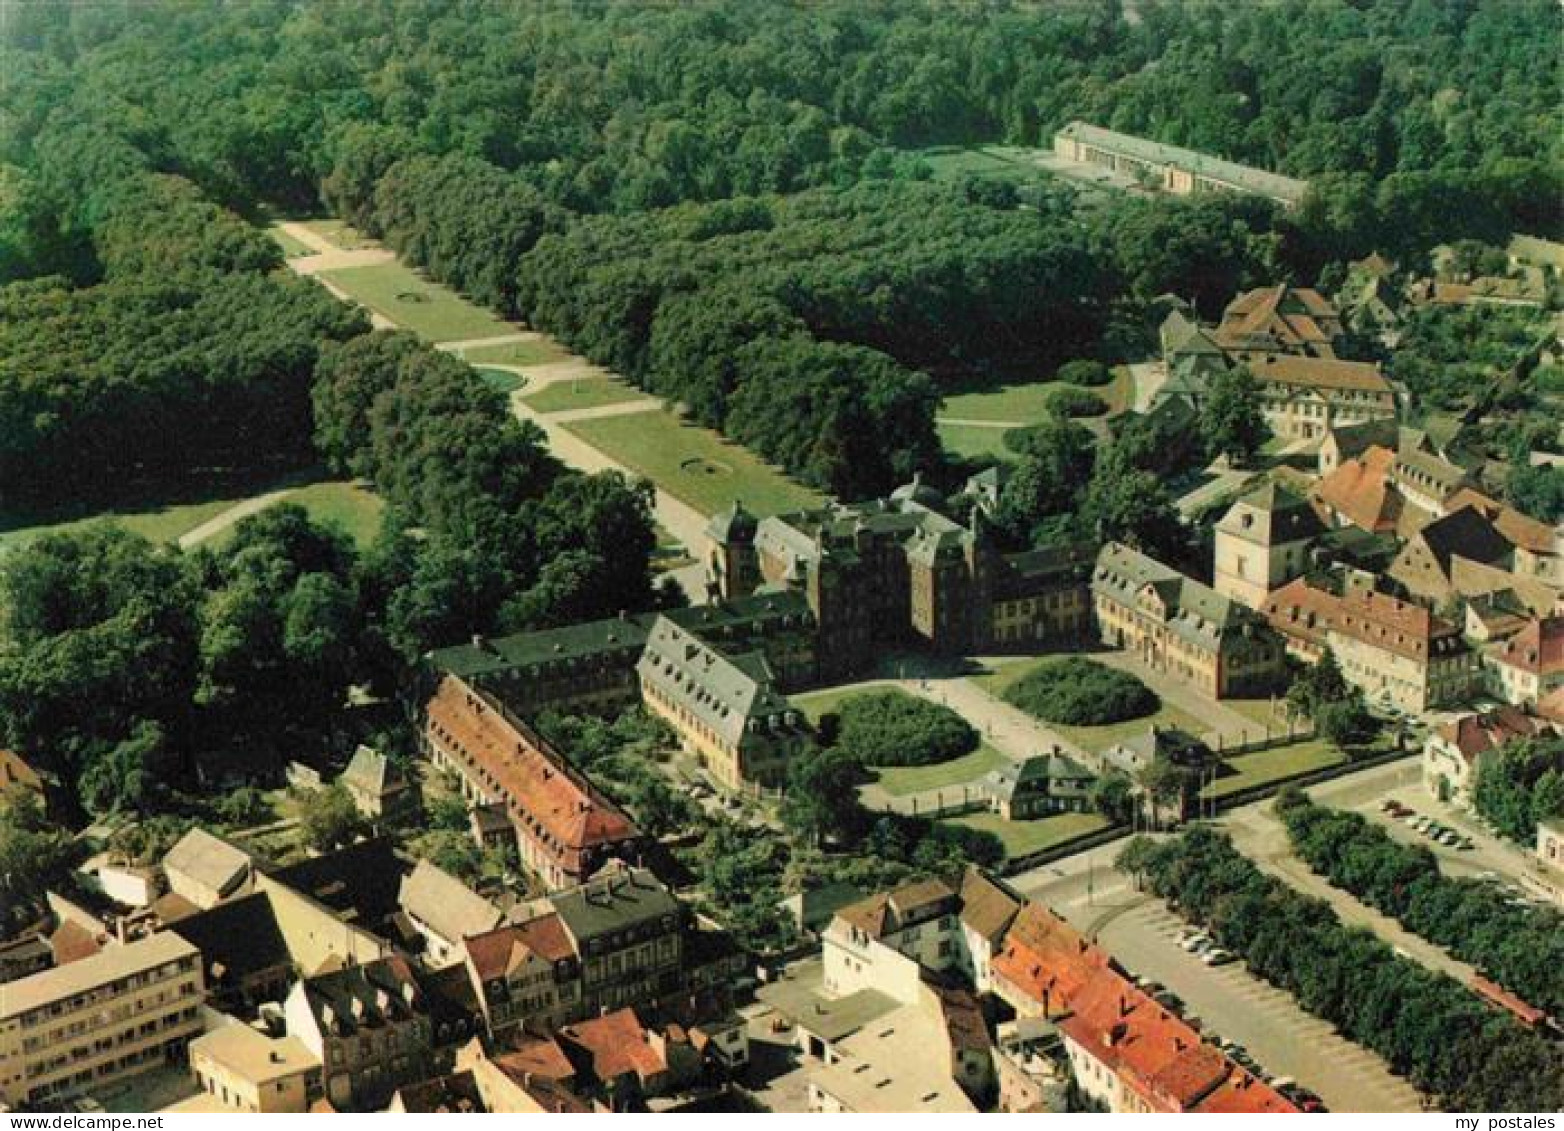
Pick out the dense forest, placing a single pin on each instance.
(479, 139)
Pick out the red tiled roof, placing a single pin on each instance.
(1538, 648)
(1244, 1094)
(15, 772)
(1263, 312)
(536, 1056)
(1394, 625)
(616, 1045)
(1154, 1051)
(1299, 611)
(569, 810)
(492, 952)
(1476, 734)
(1360, 491)
(71, 942)
(1046, 958)
(1320, 373)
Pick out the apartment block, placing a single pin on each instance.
(89, 1024)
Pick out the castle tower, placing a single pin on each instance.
(732, 563)
(1262, 543)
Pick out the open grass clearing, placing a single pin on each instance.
(1022, 838)
(540, 351)
(340, 234)
(292, 248)
(158, 512)
(974, 441)
(693, 464)
(428, 309)
(1276, 764)
(582, 392)
(1024, 402)
(899, 781)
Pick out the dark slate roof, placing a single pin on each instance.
(511, 654)
(1275, 515)
(1195, 612)
(361, 883)
(241, 936)
(1467, 533)
(733, 525)
(612, 901)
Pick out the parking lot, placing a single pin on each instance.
(1275, 1032)
(1270, 1028)
(1487, 856)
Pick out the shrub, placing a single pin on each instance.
(1067, 400)
(1086, 373)
(892, 728)
(1080, 692)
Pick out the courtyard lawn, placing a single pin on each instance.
(428, 309)
(583, 392)
(291, 247)
(1262, 712)
(1023, 403)
(899, 781)
(693, 464)
(1276, 764)
(539, 351)
(1022, 838)
(340, 234)
(973, 441)
(1092, 739)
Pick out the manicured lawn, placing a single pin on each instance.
(1264, 712)
(972, 441)
(1024, 403)
(692, 463)
(585, 392)
(1022, 838)
(411, 301)
(344, 236)
(902, 780)
(291, 248)
(1276, 764)
(541, 351)
(501, 380)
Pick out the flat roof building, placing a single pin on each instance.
(1172, 168)
(91, 1023)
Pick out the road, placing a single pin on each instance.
(1227, 1000)
(218, 523)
